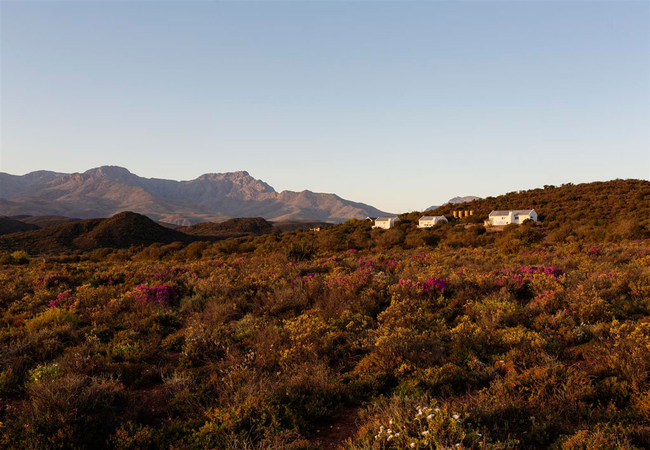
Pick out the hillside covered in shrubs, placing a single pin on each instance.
(588, 210)
(453, 337)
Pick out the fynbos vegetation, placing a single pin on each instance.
(451, 337)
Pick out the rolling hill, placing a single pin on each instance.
(230, 228)
(10, 225)
(45, 221)
(123, 230)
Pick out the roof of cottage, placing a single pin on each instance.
(432, 217)
(516, 211)
(385, 219)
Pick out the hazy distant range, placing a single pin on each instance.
(107, 190)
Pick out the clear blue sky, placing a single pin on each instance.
(397, 104)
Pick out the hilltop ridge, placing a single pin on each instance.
(598, 202)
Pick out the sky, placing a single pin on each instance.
(398, 104)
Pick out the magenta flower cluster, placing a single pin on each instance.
(431, 284)
(519, 278)
(162, 294)
(546, 270)
(169, 273)
(592, 251)
(369, 264)
(303, 280)
(64, 299)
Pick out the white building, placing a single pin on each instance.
(507, 217)
(429, 221)
(385, 222)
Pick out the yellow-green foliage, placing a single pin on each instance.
(51, 318)
(45, 372)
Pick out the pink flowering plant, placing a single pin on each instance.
(162, 294)
(429, 285)
(62, 300)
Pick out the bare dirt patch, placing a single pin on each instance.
(333, 434)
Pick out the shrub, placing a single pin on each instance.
(45, 372)
(52, 317)
(162, 294)
(20, 257)
(70, 411)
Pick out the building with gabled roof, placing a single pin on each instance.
(507, 217)
(385, 222)
(429, 221)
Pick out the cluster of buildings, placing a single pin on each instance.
(496, 218)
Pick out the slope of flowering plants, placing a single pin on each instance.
(451, 338)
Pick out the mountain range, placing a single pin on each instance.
(107, 190)
(456, 201)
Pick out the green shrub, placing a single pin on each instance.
(52, 317)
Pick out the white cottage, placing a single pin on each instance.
(385, 222)
(429, 221)
(508, 217)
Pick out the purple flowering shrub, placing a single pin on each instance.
(162, 294)
(430, 285)
(62, 300)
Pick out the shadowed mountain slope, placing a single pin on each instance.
(45, 221)
(230, 228)
(123, 230)
(9, 225)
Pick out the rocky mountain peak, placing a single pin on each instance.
(107, 190)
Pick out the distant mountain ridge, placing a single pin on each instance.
(466, 199)
(455, 201)
(107, 190)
